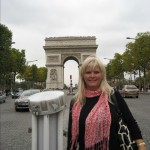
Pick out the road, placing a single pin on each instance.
(14, 125)
(141, 111)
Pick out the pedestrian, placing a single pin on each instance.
(93, 119)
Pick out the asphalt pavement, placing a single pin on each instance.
(14, 125)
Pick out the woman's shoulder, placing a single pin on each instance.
(72, 102)
(117, 96)
(116, 93)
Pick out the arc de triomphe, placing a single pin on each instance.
(58, 50)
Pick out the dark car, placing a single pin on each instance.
(129, 91)
(16, 93)
(22, 102)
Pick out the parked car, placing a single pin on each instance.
(2, 97)
(129, 91)
(46, 90)
(22, 102)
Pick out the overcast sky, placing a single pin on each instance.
(110, 21)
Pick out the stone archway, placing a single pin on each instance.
(58, 50)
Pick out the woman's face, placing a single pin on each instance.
(92, 78)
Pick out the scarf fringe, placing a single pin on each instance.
(103, 145)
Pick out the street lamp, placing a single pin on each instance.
(30, 61)
(130, 38)
(3, 47)
(108, 58)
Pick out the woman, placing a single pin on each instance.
(93, 117)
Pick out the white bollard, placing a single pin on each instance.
(60, 131)
(46, 132)
(47, 120)
(34, 132)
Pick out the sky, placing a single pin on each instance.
(110, 21)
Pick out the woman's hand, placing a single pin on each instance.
(141, 144)
(143, 147)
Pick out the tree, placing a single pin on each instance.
(117, 66)
(5, 38)
(130, 63)
(115, 70)
(42, 76)
(5, 46)
(34, 76)
(139, 55)
(109, 73)
(142, 45)
(16, 63)
(142, 50)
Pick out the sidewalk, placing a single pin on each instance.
(145, 92)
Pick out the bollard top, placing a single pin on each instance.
(47, 102)
(46, 95)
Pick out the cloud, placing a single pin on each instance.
(110, 21)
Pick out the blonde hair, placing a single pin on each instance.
(92, 62)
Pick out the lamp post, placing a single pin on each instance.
(108, 58)
(130, 38)
(30, 61)
(3, 47)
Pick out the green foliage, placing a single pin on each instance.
(34, 76)
(5, 38)
(42, 74)
(10, 59)
(115, 68)
(142, 50)
(12, 62)
(135, 60)
(17, 61)
(5, 45)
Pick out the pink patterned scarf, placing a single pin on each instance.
(97, 125)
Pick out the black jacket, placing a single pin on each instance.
(128, 118)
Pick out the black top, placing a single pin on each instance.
(90, 102)
(113, 142)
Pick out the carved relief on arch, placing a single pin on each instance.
(53, 74)
(53, 58)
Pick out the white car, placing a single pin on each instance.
(2, 97)
(22, 102)
(130, 91)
